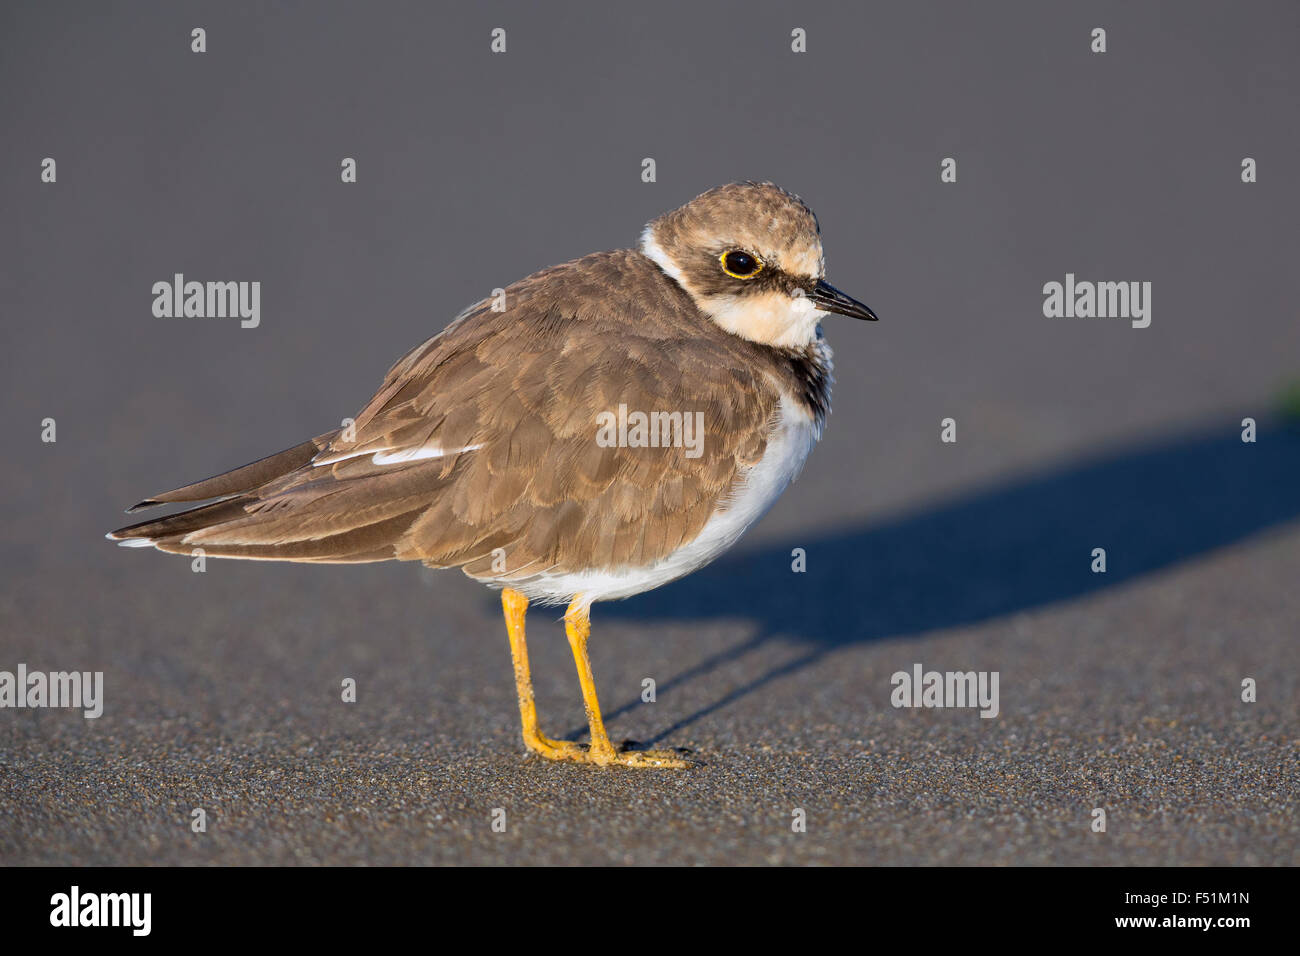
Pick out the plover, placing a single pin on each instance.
(482, 449)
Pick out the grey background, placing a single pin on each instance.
(1118, 691)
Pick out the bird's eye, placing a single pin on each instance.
(741, 265)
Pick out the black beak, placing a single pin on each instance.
(830, 299)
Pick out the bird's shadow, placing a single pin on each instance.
(990, 553)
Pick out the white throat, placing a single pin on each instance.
(773, 319)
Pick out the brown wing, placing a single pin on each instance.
(480, 448)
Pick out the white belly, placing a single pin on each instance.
(787, 449)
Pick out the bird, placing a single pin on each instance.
(514, 443)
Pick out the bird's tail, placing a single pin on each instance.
(238, 480)
(238, 493)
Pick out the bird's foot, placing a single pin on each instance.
(605, 756)
(555, 749)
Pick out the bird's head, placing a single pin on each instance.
(750, 256)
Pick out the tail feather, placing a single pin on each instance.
(242, 479)
(182, 522)
(246, 520)
(373, 542)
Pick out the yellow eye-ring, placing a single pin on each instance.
(740, 264)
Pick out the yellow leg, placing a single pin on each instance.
(515, 606)
(577, 625)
